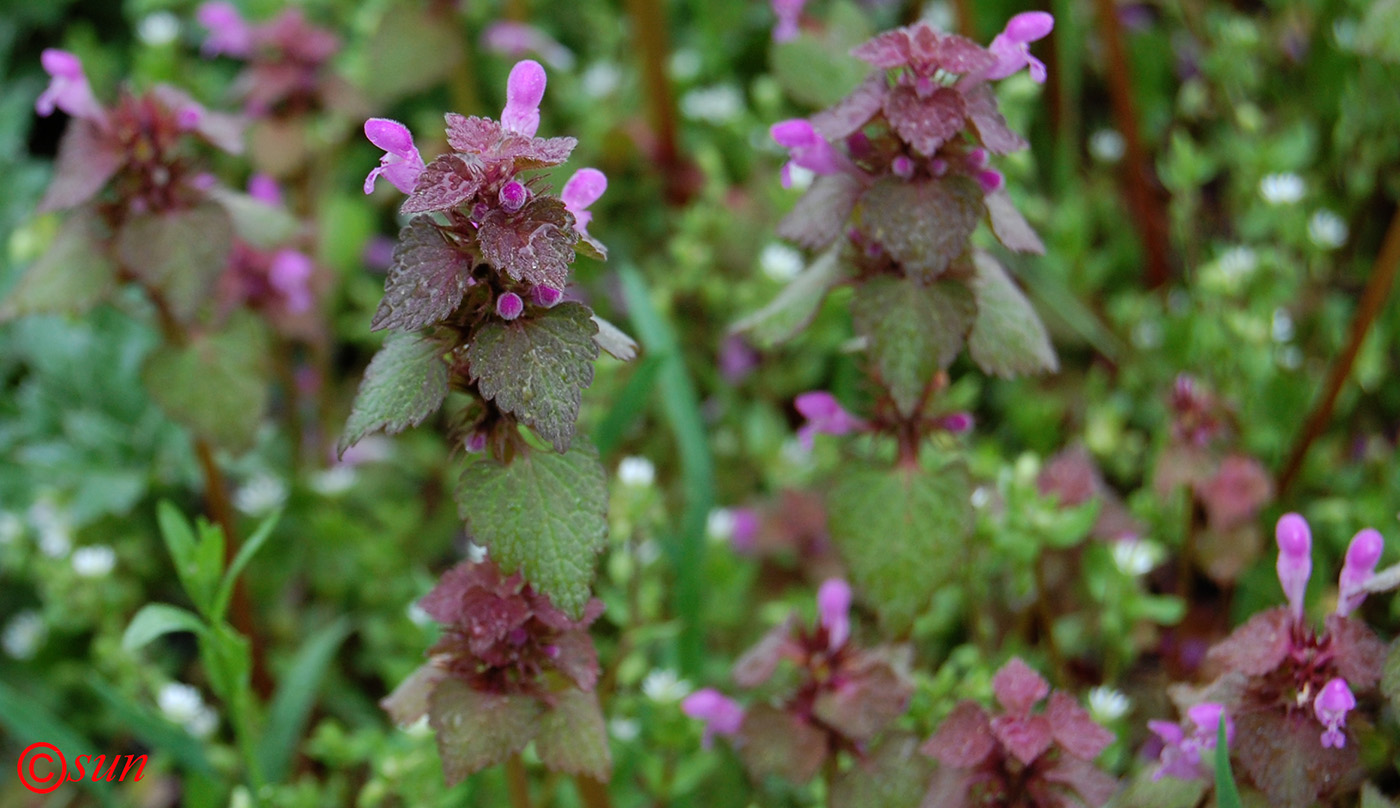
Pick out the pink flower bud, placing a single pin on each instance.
(228, 32)
(68, 88)
(524, 91)
(401, 163)
(1332, 704)
(902, 167)
(834, 610)
(824, 414)
(1012, 48)
(513, 196)
(509, 306)
(1362, 556)
(583, 189)
(721, 714)
(991, 180)
(546, 296)
(476, 442)
(956, 422)
(977, 158)
(1294, 559)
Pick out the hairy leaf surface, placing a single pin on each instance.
(404, 383)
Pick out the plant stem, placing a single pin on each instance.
(967, 25)
(1372, 301)
(593, 793)
(517, 782)
(1148, 215)
(652, 41)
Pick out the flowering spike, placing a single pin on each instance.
(1294, 559)
(509, 306)
(513, 196)
(824, 414)
(807, 149)
(524, 91)
(1362, 556)
(68, 88)
(1331, 706)
(228, 32)
(401, 163)
(834, 608)
(721, 714)
(1012, 45)
(583, 189)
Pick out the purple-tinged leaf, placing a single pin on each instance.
(951, 788)
(850, 114)
(179, 253)
(866, 702)
(1018, 688)
(922, 225)
(885, 51)
(538, 152)
(536, 367)
(87, 160)
(953, 53)
(1282, 754)
(989, 123)
(774, 741)
(819, 217)
(447, 182)
(1094, 787)
(892, 775)
(1008, 338)
(912, 331)
(925, 123)
(1359, 653)
(1025, 738)
(795, 307)
(534, 244)
(409, 701)
(578, 657)
(758, 663)
(476, 730)
(1074, 729)
(1010, 227)
(72, 276)
(1240, 487)
(1255, 648)
(426, 282)
(964, 739)
(472, 135)
(405, 383)
(573, 737)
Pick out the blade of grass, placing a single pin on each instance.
(245, 554)
(1227, 795)
(628, 407)
(30, 723)
(291, 706)
(680, 404)
(154, 731)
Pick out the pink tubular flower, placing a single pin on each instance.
(1182, 755)
(806, 149)
(228, 32)
(401, 163)
(265, 189)
(824, 414)
(834, 610)
(524, 91)
(1331, 707)
(290, 274)
(1362, 556)
(721, 714)
(1012, 45)
(956, 422)
(583, 189)
(1294, 559)
(516, 39)
(68, 88)
(788, 12)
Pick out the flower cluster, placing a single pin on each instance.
(844, 697)
(1290, 688)
(1188, 747)
(1019, 757)
(287, 55)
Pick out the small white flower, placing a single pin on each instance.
(418, 616)
(980, 496)
(476, 553)
(600, 79)
(1290, 358)
(665, 686)
(333, 481)
(685, 64)
(624, 729)
(1107, 146)
(1136, 556)
(1237, 263)
(719, 525)
(11, 527)
(1107, 705)
(1147, 334)
(24, 634)
(719, 104)
(801, 178)
(96, 561)
(795, 455)
(159, 28)
(1282, 189)
(636, 472)
(55, 540)
(1282, 328)
(648, 552)
(1327, 230)
(261, 495)
(179, 702)
(780, 262)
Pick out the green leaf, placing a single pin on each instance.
(776, 742)
(1008, 338)
(1371, 797)
(217, 385)
(922, 225)
(1226, 794)
(262, 225)
(818, 70)
(912, 332)
(545, 515)
(410, 49)
(573, 738)
(405, 383)
(71, 277)
(476, 730)
(228, 660)
(180, 253)
(296, 695)
(902, 532)
(156, 620)
(245, 554)
(892, 775)
(1390, 676)
(795, 307)
(535, 368)
(198, 560)
(1379, 34)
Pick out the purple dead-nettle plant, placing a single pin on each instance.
(287, 57)
(903, 170)
(475, 300)
(1299, 697)
(841, 696)
(1020, 757)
